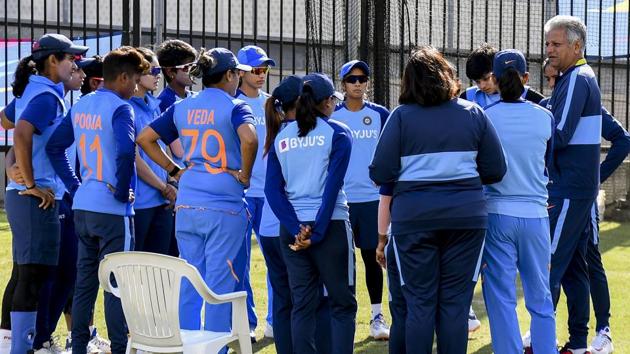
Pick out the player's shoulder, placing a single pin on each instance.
(376, 107)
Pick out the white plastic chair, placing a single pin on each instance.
(148, 286)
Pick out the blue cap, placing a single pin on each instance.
(322, 87)
(254, 56)
(289, 89)
(225, 60)
(509, 58)
(56, 43)
(347, 68)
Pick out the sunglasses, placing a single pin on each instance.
(353, 79)
(183, 67)
(97, 78)
(73, 57)
(260, 71)
(155, 71)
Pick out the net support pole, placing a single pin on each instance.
(380, 52)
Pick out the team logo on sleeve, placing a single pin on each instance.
(367, 120)
(284, 145)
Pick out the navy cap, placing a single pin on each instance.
(55, 43)
(225, 60)
(254, 56)
(322, 87)
(509, 58)
(347, 68)
(85, 62)
(289, 89)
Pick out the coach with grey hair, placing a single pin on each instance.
(574, 175)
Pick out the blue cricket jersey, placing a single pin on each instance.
(146, 110)
(102, 125)
(43, 173)
(438, 157)
(206, 124)
(577, 109)
(257, 182)
(168, 97)
(305, 176)
(526, 133)
(365, 126)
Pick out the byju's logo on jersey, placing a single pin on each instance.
(287, 144)
(284, 145)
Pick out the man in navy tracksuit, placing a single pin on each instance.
(576, 106)
(612, 131)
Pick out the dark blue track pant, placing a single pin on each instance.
(282, 304)
(437, 272)
(99, 234)
(570, 221)
(332, 262)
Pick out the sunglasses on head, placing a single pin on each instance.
(260, 71)
(155, 71)
(352, 79)
(183, 67)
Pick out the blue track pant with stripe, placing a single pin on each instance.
(570, 221)
(518, 244)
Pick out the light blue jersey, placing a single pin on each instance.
(308, 156)
(365, 126)
(257, 182)
(526, 131)
(92, 122)
(146, 110)
(43, 173)
(206, 124)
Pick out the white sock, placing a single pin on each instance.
(377, 309)
(70, 335)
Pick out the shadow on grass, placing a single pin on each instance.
(262, 344)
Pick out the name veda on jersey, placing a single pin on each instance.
(88, 121)
(365, 134)
(287, 144)
(200, 116)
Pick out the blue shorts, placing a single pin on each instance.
(364, 222)
(36, 232)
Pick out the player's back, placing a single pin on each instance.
(208, 134)
(96, 145)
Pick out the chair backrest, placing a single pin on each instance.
(148, 286)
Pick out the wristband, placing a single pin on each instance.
(31, 187)
(174, 171)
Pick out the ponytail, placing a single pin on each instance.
(273, 119)
(307, 112)
(274, 110)
(510, 85)
(24, 70)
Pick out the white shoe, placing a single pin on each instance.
(268, 331)
(473, 323)
(378, 328)
(602, 343)
(98, 344)
(51, 347)
(5, 341)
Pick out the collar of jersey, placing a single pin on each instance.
(42, 80)
(343, 104)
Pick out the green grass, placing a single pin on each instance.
(615, 247)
